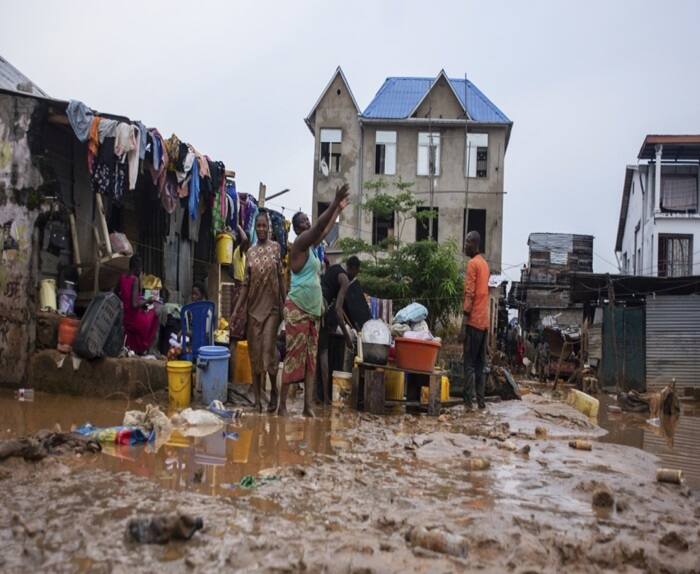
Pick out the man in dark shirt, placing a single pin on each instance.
(334, 284)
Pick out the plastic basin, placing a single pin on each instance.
(416, 355)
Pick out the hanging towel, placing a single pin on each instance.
(80, 118)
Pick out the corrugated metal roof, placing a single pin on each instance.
(398, 96)
(12, 79)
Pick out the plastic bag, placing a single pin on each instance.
(412, 313)
(376, 331)
(199, 417)
(120, 244)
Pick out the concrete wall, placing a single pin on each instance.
(450, 186)
(337, 110)
(440, 103)
(20, 182)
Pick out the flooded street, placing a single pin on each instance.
(350, 492)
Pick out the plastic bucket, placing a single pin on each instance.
(47, 294)
(416, 355)
(212, 370)
(444, 391)
(394, 385)
(243, 374)
(179, 383)
(67, 332)
(224, 248)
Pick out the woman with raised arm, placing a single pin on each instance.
(304, 304)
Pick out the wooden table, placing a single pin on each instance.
(368, 389)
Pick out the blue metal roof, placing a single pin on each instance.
(397, 98)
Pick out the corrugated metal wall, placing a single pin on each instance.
(623, 351)
(673, 341)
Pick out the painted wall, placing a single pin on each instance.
(641, 210)
(20, 181)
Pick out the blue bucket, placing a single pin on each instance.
(212, 368)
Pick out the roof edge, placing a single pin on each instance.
(624, 207)
(338, 70)
(441, 74)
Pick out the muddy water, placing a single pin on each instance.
(210, 464)
(352, 490)
(676, 440)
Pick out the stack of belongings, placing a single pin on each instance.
(410, 322)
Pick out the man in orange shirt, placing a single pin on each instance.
(475, 323)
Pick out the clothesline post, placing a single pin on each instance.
(262, 190)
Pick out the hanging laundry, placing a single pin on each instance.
(143, 139)
(124, 139)
(231, 204)
(107, 129)
(279, 232)
(109, 176)
(80, 118)
(93, 142)
(194, 190)
(172, 146)
(132, 158)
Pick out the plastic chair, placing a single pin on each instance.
(198, 320)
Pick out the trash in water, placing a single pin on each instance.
(160, 529)
(438, 541)
(115, 435)
(151, 419)
(614, 409)
(218, 408)
(232, 435)
(25, 395)
(672, 475)
(250, 481)
(580, 444)
(199, 417)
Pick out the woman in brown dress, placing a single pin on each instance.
(263, 295)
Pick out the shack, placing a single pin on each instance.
(66, 215)
(543, 289)
(650, 330)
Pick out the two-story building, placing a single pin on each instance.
(441, 133)
(659, 229)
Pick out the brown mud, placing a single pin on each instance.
(349, 492)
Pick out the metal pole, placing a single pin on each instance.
(467, 149)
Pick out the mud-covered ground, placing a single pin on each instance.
(359, 493)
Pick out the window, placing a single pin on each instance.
(332, 236)
(329, 161)
(382, 228)
(476, 221)
(428, 153)
(423, 225)
(679, 193)
(477, 155)
(385, 153)
(675, 255)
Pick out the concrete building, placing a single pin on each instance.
(442, 134)
(659, 229)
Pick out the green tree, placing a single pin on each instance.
(426, 271)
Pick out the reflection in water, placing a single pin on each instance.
(214, 464)
(676, 441)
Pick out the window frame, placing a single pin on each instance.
(375, 228)
(471, 155)
(333, 166)
(663, 264)
(430, 136)
(424, 227)
(389, 149)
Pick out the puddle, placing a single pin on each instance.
(676, 442)
(213, 464)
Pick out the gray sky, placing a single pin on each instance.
(583, 82)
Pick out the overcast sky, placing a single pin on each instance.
(583, 83)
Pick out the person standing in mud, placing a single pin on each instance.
(475, 322)
(263, 295)
(304, 305)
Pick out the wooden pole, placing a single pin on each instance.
(262, 190)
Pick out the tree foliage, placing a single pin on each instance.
(426, 271)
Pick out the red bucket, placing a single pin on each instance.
(416, 355)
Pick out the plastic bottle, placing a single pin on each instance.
(24, 395)
(160, 529)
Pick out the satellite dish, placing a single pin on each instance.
(324, 168)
